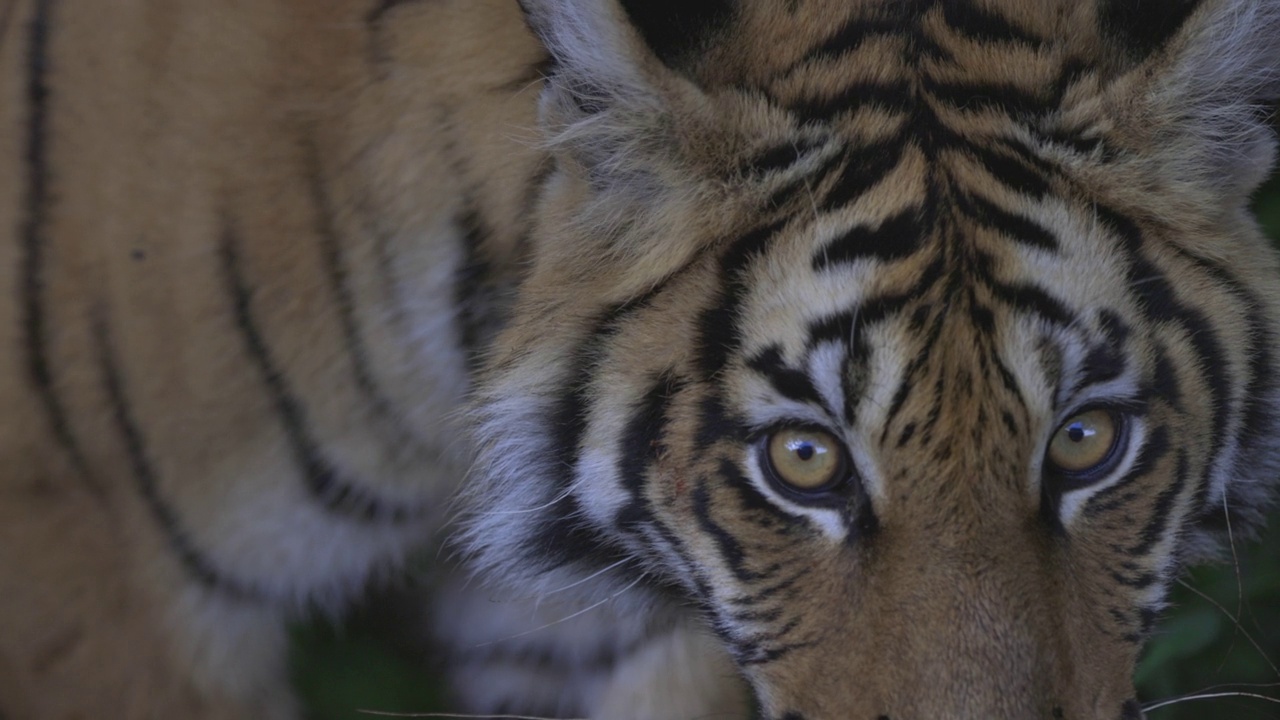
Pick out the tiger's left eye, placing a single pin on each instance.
(1085, 443)
(804, 459)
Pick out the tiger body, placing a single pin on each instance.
(278, 276)
(285, 474)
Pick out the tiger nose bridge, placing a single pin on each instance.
(962, 632)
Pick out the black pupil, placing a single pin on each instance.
(1076, 432)
(804, 451)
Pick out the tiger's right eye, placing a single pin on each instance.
(805, 460)
(1086, 444)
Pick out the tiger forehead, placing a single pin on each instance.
(826, 41)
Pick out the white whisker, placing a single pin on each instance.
(566, 618)
(1207, 696)
(588, 578)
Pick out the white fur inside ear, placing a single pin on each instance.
(1234, 52)
(1224, 69)
(592, 43)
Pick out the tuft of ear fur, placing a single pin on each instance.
(630, 130)
(1197, 95)
(614, 95)
(609, 101)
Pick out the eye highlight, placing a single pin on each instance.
(1086, 444)
(805, 460)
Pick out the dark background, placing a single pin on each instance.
(1222, 634)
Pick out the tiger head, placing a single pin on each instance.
(917, 345)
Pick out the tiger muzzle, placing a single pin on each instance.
(990, 633)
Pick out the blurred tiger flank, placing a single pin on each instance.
(792, 360)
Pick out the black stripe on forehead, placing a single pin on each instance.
(983, 25)
(791, 383)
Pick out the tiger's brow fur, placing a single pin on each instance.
(277, 277)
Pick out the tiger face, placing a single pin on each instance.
(915, 345)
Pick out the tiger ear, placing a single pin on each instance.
(602, 35)
(637, 139)
(1201, 75)
(617, 80)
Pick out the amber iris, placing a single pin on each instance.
(1084, 442)
(805, 459)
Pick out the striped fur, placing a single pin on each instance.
(278, 277)
(937, 231)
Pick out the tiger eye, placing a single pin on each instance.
(804, 459)
(1083, 442)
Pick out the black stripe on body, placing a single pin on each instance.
(469, 285)
(480, 291)
(333, 492)
(772, 159)
(338, 275)
(196, 564)
(34, 230)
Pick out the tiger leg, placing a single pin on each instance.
(95, 622)
(683, 673)
(612, 660)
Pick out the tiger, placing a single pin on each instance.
(790, 360)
